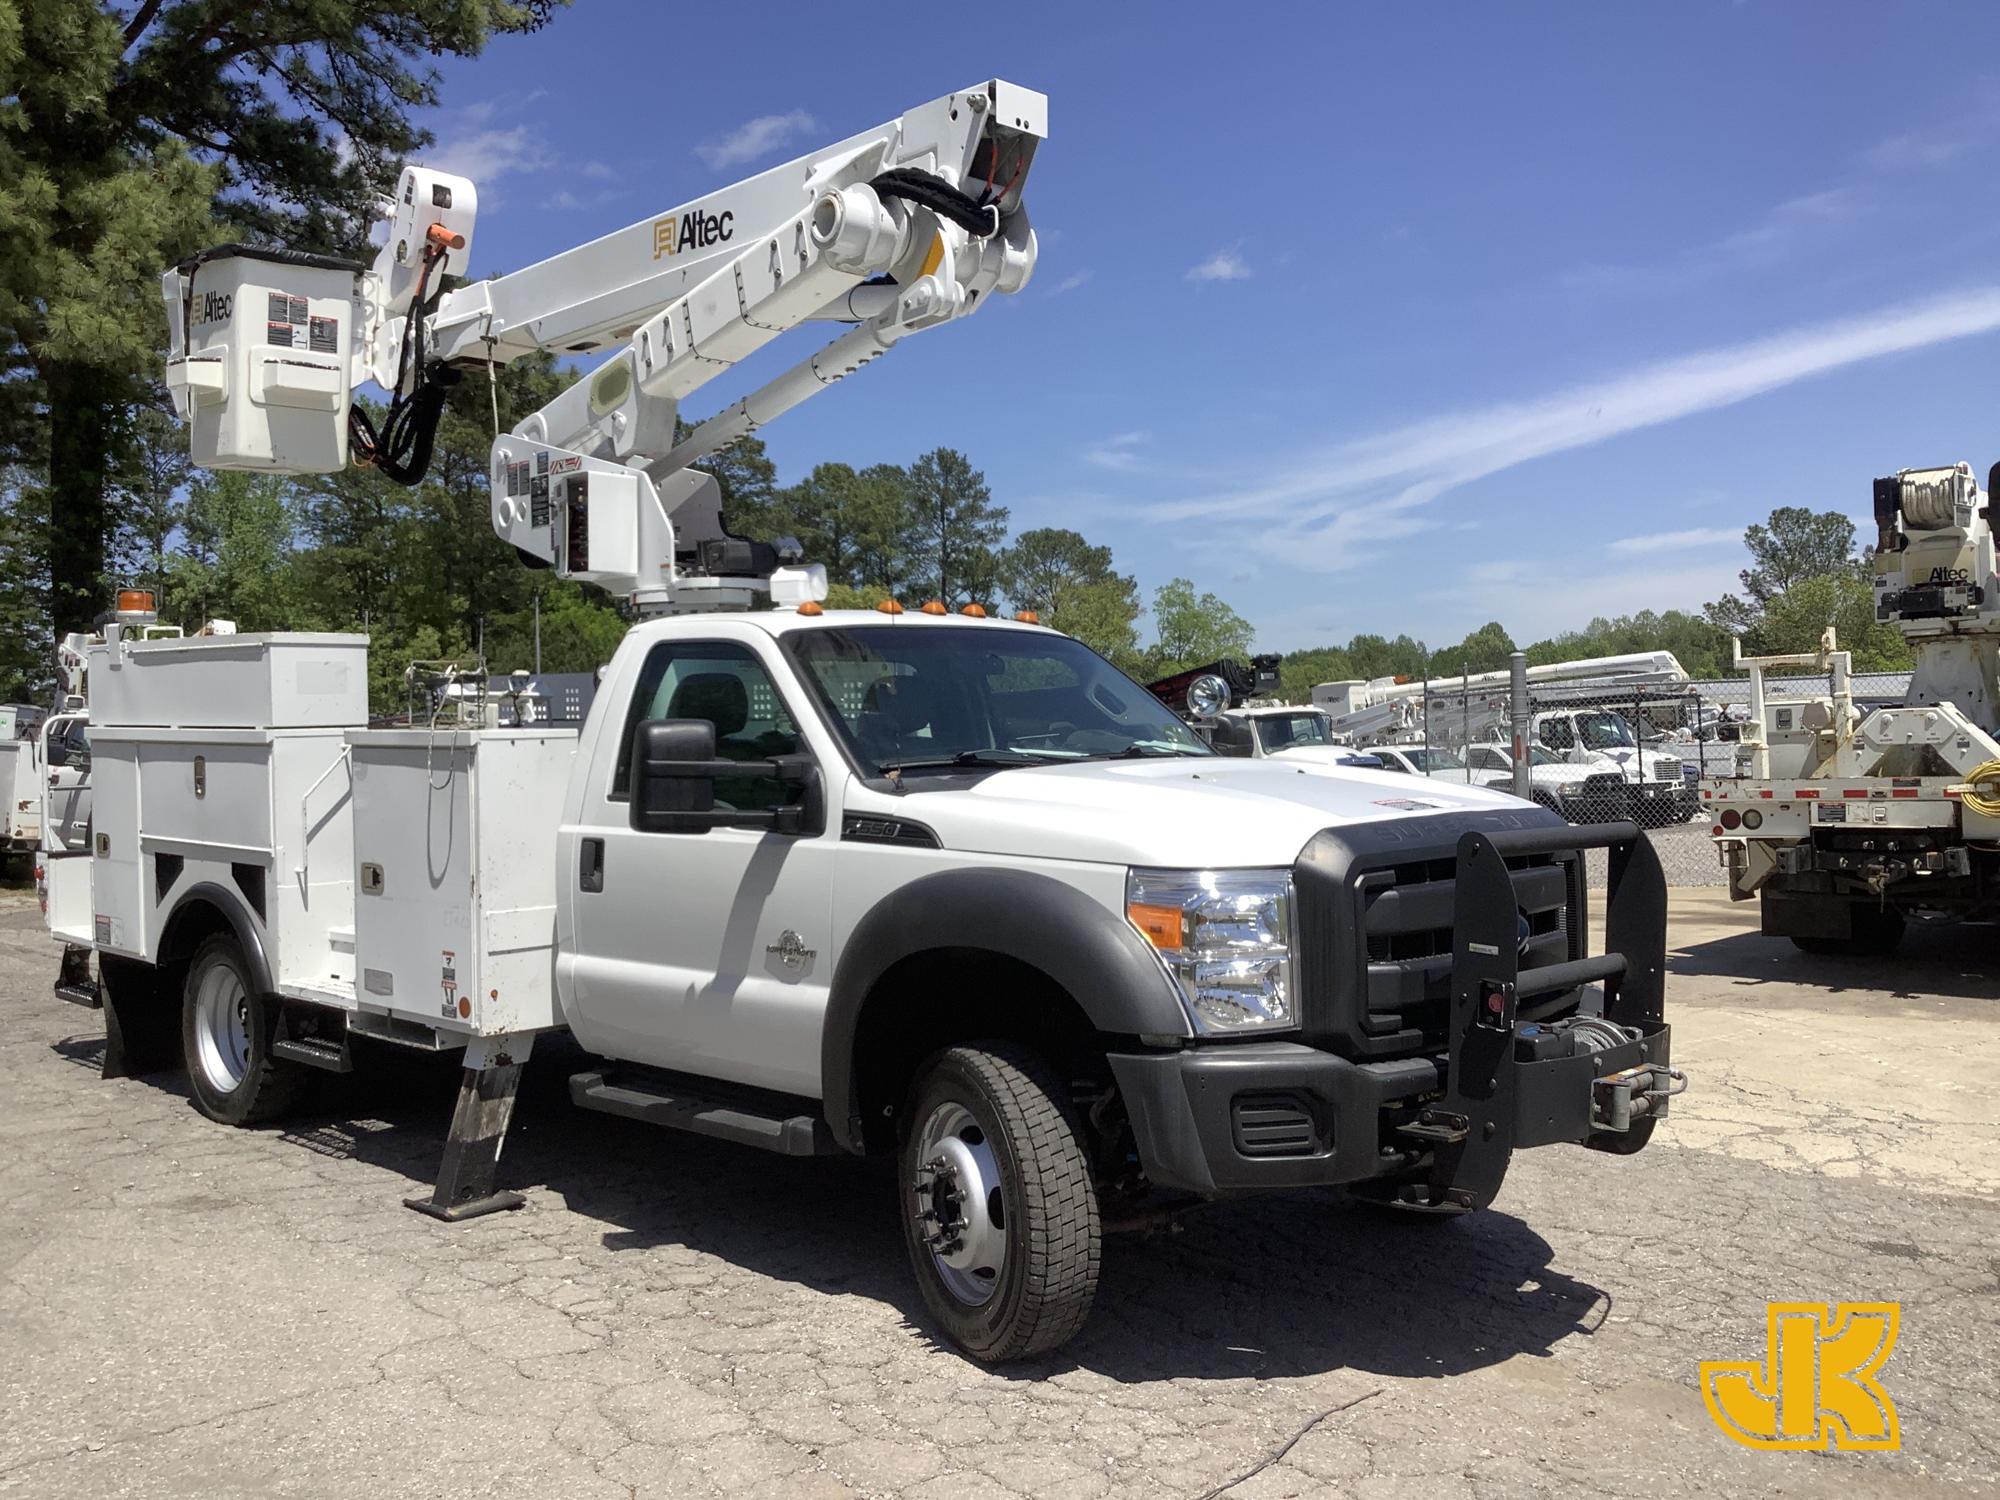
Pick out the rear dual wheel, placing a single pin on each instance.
(227, 1030)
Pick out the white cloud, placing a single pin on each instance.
(755, 138)
(1782, 231)
(1916, 149)
(1332, 508)
(1118, 451)
(597, 171)
(1676, 541)
(1227, 264)
(1069, 283)
(486, 156)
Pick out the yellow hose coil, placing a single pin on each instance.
(1988, 805)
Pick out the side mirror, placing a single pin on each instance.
(673, 780)
(674, 769)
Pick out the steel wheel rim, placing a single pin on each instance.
(961, 1213)
(222, 1027)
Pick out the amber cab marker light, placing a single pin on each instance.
(935, 607)
(977, 611)
(812, 607)
(1027, 617)
(1160, 924)
(889, 607)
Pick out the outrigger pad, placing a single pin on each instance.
(478, 1130)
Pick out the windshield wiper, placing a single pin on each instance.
(1140, 750)
(977, 759)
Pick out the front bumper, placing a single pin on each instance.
(1441, 1125)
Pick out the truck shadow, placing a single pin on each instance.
(1261, 1288)
(1951, 961)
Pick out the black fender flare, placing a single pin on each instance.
(1096, 956)
(236, 912)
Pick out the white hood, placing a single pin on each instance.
(1191, 811)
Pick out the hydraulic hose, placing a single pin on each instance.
(1987, 805)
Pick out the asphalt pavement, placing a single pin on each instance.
(187, 1309)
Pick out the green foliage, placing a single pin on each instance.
(1487, 649)
(234, 561)
(1795, 545)
(1072, 586)
(1794, 621)
(132, 135)
(1193, 629)
(959, 529)
(1697, 643)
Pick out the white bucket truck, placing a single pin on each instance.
(929, 884)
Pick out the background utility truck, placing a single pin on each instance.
(1847, 826)
(934, 885)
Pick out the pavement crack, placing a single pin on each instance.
(1277, 1455)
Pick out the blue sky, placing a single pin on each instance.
(1368, 318)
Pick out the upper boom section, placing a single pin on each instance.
(595, 297)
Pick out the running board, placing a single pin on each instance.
(314, 1053)
(768, 1122)
(84, 994)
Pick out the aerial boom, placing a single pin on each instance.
(898, 230)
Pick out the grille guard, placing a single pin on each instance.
(1488, 986)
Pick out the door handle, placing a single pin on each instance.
(590, 865)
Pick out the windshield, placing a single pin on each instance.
(1428, 761)
(1283, 731)
(924, 698)
(1604, 731)
(1537, 756)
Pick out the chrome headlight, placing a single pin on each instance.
(1226, 938)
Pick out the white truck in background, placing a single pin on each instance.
(1583, 715)
(1849, 826)
(20, 781)
(931, 885)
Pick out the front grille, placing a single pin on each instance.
(1273, 1125)
(1376, 929)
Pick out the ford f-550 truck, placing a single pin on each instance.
(931, 884)
(950, 888)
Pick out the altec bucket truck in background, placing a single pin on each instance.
(933, 885)
(1847, 826)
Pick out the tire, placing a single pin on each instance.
(1018, 1282)
(1877, 932)
(226, 1034)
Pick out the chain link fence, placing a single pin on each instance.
(1595, 756)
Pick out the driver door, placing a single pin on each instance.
(703, 952)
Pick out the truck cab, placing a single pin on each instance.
(1286, 731)
(1583, 792)
(1657, 789)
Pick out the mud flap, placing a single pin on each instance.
(142, 1018)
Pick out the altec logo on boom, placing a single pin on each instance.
(693, 230)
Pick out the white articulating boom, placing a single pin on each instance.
(897, 230)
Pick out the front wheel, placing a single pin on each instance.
(999, 1211)
(226, 1033)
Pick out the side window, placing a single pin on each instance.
(1557, 735)
(1394, 763)
(726, 685)
(1486, 760)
